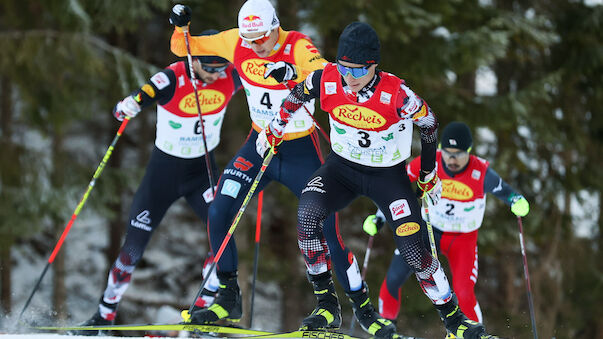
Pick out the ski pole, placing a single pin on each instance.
(322, 131)
(57, 247)
(194, 82)
(258, 230)
(235, 222)
(527, 276)
(434, 251)
(367, 255)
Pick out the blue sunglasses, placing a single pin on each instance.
(356, 72)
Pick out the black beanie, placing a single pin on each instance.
(456, 135)
(211, 59)
(359, 44)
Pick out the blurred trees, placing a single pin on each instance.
(64, 64)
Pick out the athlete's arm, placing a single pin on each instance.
(160, 88)
(307, 59)
(494, 184)
(411, 106)
(221, 44)
(236, 80)
(300, 94)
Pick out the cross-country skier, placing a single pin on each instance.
(456, 219)
(176, 168)
(371, 113)
(268, 59)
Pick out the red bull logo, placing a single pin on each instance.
(252, 22)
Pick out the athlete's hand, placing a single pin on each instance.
(520, 206)
(430, 185)
(268, 138)
(180, 15)
(128, 107)
(373, 223)
(281, 71)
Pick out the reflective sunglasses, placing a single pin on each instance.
(212, 69)
(455, 155)
(257, 40)
(356, 72)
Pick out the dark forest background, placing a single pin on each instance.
(65, 63)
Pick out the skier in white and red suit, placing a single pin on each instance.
(371, 114)
(177, 168)
(456, 219)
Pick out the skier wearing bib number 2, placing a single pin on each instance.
(176, 168)
(456, 219)
(371, 113)
(268, 59)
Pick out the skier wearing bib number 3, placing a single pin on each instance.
(371, 113)
(268, 60)
(176, 168)
(456, 219)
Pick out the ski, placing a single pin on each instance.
(160, 327)
(304, 334)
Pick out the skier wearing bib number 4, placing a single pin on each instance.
(269, 60)
(371, 113)
(177, 167)
(456, 219)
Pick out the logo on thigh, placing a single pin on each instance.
(231, 188)
(408, 228)
(399, 209)
(314, 185)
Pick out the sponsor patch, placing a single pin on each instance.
(330, 88)
(407, 229)
(181, 81)
(208, 196)
(358, 116)
(210, 100)
(242, 164)
(456, 190)
(316, 182)
(386, 98)
(160, 80)
(287, 49)
(231, 188)
(476, 174)
(399, 209)
(148, 89)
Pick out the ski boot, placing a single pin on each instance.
(368, 318)
(96, 320)
(457, 324)
(327, 314)
(227, 305)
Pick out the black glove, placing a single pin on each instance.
(280, 71)
(180, 15)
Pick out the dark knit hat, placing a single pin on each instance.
(456, 135)
(211, 59)
(359, 44)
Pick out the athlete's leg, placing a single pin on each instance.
(461, 251)
(157, 191)
(234, 185)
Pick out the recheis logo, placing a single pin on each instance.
(210, 100)
(358, 116)
(252, 23)
(455, 190)
(407, 229)
(254, 70)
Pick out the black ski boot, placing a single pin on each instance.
(458, 324)
(228, 304)
(369, 319)
(95, 320)
(327, 314)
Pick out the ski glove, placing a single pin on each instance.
(431, 185)
(373, 223)
(281, 71)
(520, 206)
(128, 107)
(268, 138)
(180, 15)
